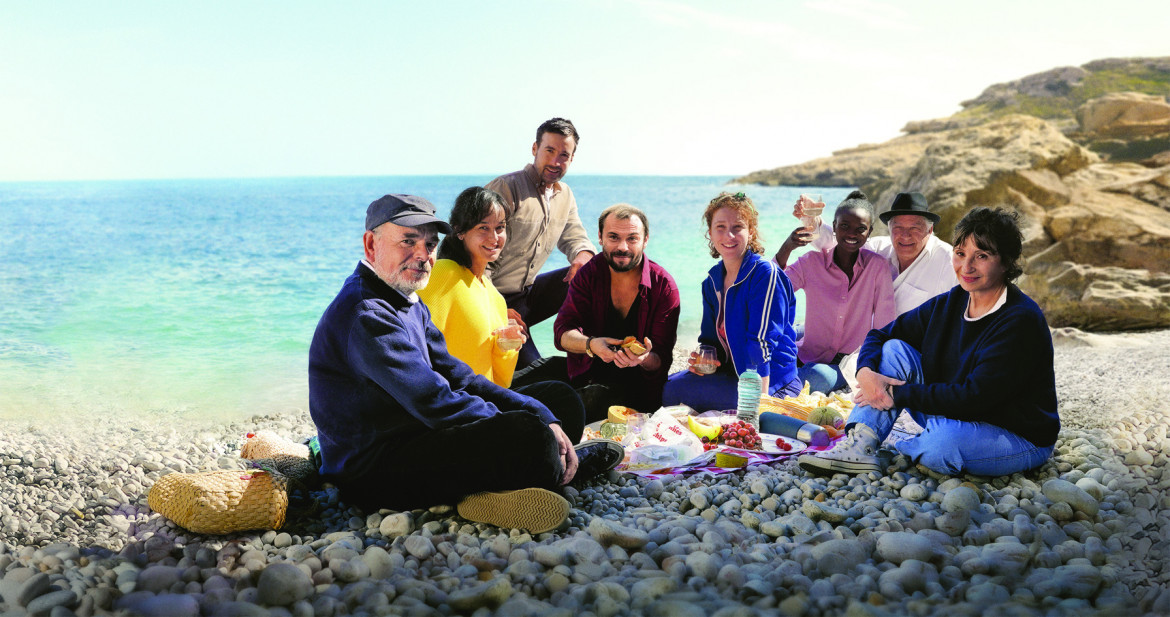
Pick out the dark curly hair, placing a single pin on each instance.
(997, 232)
(856, 201)
(743, 205)
(471, 206)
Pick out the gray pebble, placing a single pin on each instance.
(32, 587)
(1063, 491)
(165, 605)
(282, 584)
(395, 525)
(379, 562)
(45, 603)
(897, 547)
(1006, 558)
(158, 579)
(960, 498)
(282, 540)
(914, 492)
(648, 590)
(420, 547)
(610, 533)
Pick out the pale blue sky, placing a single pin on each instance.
(229, 89)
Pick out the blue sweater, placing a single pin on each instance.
(379, 374)
(758, 316)
(997, 369)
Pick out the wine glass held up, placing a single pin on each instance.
(810, 205)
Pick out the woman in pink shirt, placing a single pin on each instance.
(848, 291)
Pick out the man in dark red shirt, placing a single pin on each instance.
(617, 294)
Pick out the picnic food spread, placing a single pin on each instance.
(679, 439)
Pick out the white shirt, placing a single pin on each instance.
(998, 305)
(930, 275)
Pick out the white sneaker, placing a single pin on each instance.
(856, 454)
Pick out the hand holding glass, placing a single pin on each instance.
(812, 204)
(704, 360)
(510, 336)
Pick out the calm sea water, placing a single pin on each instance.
(198, 298)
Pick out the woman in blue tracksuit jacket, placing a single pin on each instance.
(748, 311)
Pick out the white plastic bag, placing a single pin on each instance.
(667, 442)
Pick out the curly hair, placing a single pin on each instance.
(997, 232)
(856, 201)
(746, 209)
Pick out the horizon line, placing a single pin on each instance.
(344, 176)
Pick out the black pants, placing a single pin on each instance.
(511, 450)
(536, 303)
(625, 388)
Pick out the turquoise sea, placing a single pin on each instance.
(198, 298)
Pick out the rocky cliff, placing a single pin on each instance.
(1082, 153)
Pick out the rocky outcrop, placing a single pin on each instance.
(866, 165)
(1125, 115)
(1058, 82)
(983, 165)
(1126, 126)
(1096, 227)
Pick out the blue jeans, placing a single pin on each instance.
(717, 391)
(945, 445)
(823, 378)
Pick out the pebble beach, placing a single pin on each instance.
(1087, 533)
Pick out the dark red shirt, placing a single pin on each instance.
(657, 308)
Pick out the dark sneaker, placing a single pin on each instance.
(533, 509)
(856, 454)
(597, 456)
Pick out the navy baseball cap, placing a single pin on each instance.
(404, 210)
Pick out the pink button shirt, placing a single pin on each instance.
(837, 314)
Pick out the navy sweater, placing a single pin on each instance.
(380, 373)
(997, 369)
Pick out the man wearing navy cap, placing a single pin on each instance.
(402, 424)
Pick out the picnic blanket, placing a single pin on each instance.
(904, 428)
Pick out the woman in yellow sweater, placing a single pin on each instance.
(473, 317)
(464, 304)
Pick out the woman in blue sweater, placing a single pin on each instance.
(748, 310)
(973, 367)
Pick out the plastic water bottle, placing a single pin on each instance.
(749, 390)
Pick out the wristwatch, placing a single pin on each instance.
(588, 351)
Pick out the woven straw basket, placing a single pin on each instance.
(266, 444)
(218, 502)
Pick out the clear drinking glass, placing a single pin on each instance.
(634, 425)
(813, 204)
(705, 359)
(508, 337)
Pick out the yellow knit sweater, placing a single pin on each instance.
(467, 310)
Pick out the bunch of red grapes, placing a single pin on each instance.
(740, 434)
(737, 434)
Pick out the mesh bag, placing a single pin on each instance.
(295, 468)
(266, 444)
(218, 502)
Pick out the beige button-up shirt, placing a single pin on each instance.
(535, 226)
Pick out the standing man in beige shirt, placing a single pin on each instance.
(541, 215)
